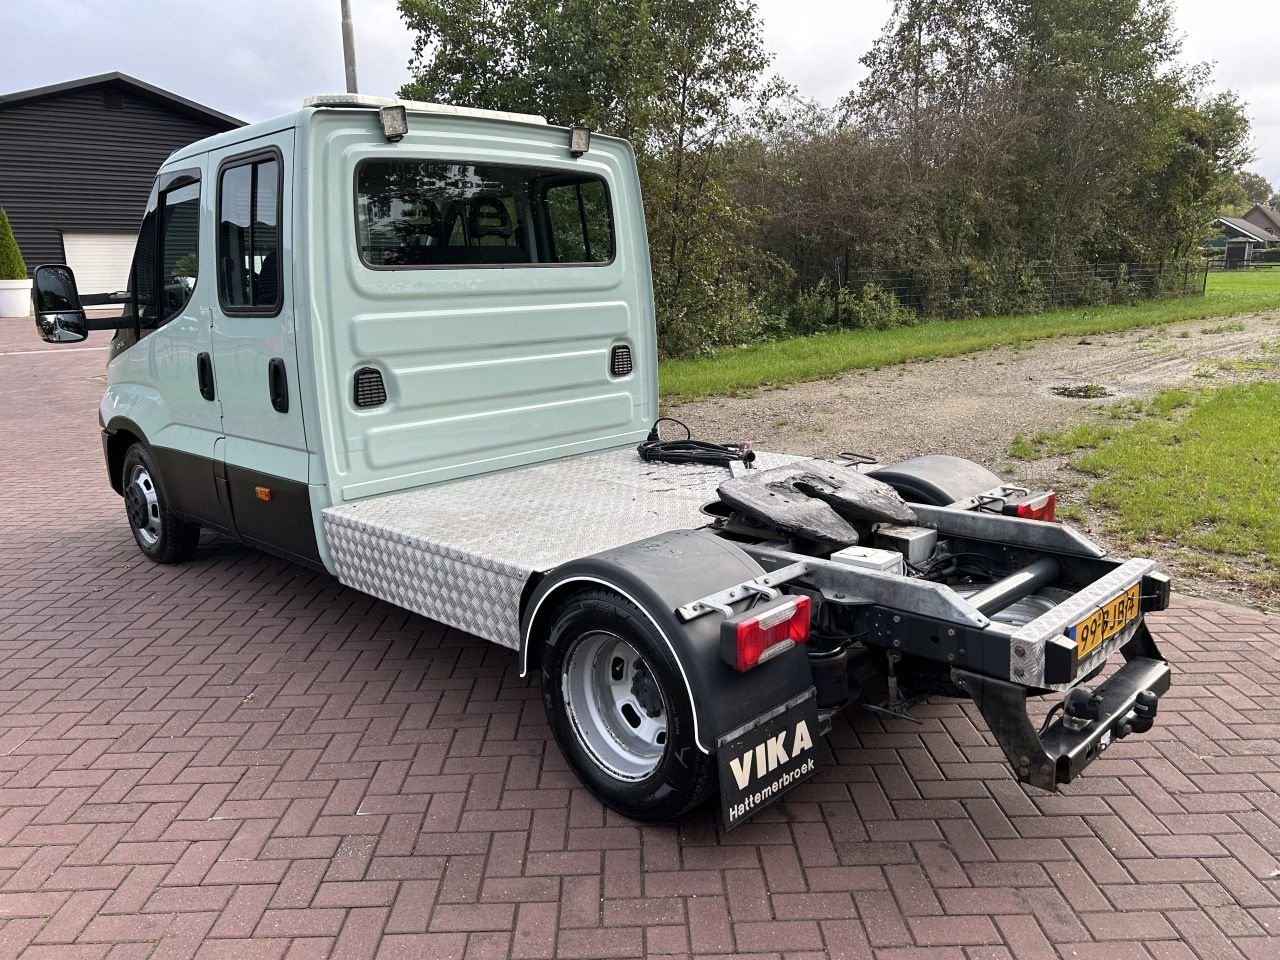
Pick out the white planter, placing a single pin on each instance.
(15, 298)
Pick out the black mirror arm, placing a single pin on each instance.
(107, 323)
(106, 299)
(99, 299)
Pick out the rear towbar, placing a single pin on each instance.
(1092, 719)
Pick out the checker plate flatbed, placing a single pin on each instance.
(462, 552)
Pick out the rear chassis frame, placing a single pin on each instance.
(907, 621)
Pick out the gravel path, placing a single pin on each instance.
(972, 406)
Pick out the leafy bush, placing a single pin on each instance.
(934, 289)
(775, 326)
(1095, 291)
(712, 315)
(1029, 289)
(12, 266)
(874, 308)
(1124, 289)
(813, 309)
(1267, 256)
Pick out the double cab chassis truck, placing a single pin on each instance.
(414, 345)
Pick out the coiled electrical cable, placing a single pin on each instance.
(689, 450)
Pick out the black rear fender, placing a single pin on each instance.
(659, 575)
(937, 480)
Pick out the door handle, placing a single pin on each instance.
(204, 375)
(278, 384)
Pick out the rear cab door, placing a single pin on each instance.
(255, 347)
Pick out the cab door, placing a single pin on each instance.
(254, 347)
(160, 376)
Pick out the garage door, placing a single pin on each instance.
(100, 260)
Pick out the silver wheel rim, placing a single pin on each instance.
(617, 710)
(143, 505)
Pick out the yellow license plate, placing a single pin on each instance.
(1103, 624)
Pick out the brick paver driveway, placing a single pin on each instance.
(239, 758)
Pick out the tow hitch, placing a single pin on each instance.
(1091, 719)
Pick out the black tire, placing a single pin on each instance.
(684, 776)
(160, 534)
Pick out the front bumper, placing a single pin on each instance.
(1060, 752)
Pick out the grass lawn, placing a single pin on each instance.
(1204, 478)
(1191, 472)
(1091, 433)
(741, 369)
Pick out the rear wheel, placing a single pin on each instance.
(161, 535)
(620, 711)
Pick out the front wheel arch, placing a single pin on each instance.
(119, 440)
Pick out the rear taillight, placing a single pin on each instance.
(752, 638)
(1043, 506)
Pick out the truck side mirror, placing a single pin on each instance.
(59, 315)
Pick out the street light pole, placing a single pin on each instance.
(348, 46)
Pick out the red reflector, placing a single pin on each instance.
(1043, 507)
(769, 634)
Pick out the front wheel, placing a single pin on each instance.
(620, 710)
(161, 535)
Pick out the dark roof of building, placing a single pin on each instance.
(1264, 216)
(124, 82)
(1250, 230)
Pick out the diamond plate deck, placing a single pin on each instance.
(461, 552)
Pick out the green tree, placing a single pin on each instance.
(932, 64)
(1254, 187)
(1102, 84)
(1194, 176)
(711, 57)
(1057, 130)
(572, 61)
(12, 266)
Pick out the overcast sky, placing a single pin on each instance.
(258, 58)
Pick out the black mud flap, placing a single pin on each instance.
(763, 759)
(1124, 704)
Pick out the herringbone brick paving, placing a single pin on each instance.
(238, 758)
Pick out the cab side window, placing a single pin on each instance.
(180, 248)
(146, 305)
(166, 262)
(249, 280)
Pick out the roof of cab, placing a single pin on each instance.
(339, 101)
(358, 100)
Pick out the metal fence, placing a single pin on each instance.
(1222, 263)
(986, 290)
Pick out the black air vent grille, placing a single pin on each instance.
(369, 389)
(620, 361)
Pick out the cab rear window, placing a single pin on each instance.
(433, 213)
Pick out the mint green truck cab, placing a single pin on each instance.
(414, 345)
(288, 266)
